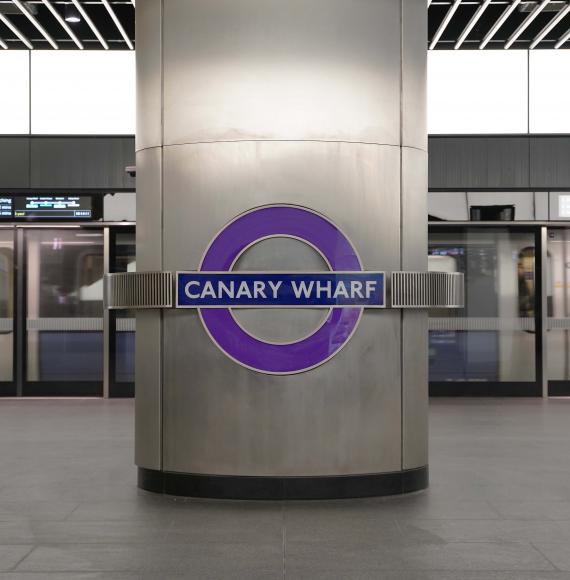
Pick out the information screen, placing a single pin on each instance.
(46, 207)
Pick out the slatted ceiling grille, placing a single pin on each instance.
(104, 24)
(498, 24)
(139, 290)
(452, 24)
(427, 290)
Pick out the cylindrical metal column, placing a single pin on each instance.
(317, 104)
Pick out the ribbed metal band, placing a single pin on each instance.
(6, 324)
(409, 290)
(475, 323)
(427, 290)
(558, 323)
(65, 324)
(139, 290)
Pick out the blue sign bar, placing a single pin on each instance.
(274, 289)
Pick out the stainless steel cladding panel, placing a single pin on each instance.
(314, 103)
(268, 69)
(339, 418)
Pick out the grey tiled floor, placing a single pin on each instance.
(498, 507)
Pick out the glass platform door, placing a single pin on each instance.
(122, 322)
(63, 299)
(490, 347)
(558, 312)
(7, 285)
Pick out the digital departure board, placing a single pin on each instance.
(46, 207)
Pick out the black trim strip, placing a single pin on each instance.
(63, 389)
(283, 488)
(484, 389)
(559, 388)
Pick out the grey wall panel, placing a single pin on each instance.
(448, 205)
(414, 75)
(457, 163)
(306, 424)
(507, 162)
(81, 162)
(478, 162)
(14, 162)
(414, 322)
(148, 360)
(149, 74)
(282, 70)
(550, 162)
(524, 162)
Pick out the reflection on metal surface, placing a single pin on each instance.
(427, 289)
(139, 290)
(483, 323)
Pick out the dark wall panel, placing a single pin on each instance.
(454, 162)
(507, 162)
(497, 162)
(66, 162)
(550, 162)
(81, 162)
(14, 162)
(486, 162)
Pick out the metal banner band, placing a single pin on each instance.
(409, 290)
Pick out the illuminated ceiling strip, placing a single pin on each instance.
(96, 32)
(562, 40)
(35, 22)
(472, 23)
(133, 1)
(118, 24)
(16, 31)
(64, 24)
(507, 12)
(444, 24)
(526, 22)
(550, 26)
(3, 44)
(428, 2)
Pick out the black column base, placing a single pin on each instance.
(282, 488)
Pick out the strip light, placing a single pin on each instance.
(562, 40)
(444, 24)
(3, 44)
(508, 11)
(550, 26)
(35, 22)
(472, 23)
(526, 22)
(64, 24)
(118, 24)
(16, 31)
(95, 30)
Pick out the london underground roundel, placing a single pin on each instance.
(345, 290)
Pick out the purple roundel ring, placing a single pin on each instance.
(275, 221)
